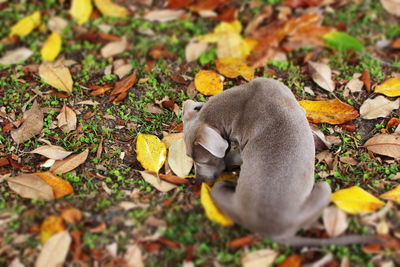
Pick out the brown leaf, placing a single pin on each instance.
(57, 75)
(123, 85)
(378, 107)
(67, 119)
(114, 48)
(71, 215)
(207, 5)
(52, 152)
(55, 250)
(178, 3)
(4, 162)
(301, 3)
(70, 163)
(33, 125)
(174, 179)
(163, 15)
(100, 89)
(335, 221)
(30, 186)
(366, 78)
(391, 6)
(293, 260)
(241, 241)
(133, 256)
(322, 75)
(384, 144)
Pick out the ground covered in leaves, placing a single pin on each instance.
(79, 80)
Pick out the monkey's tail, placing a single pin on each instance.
(298, 241)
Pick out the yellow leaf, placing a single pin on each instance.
(332, 111)
(355, 200)
(81, 10)
(51, 47)
(51, 226)
(26, 25)
(212, 211)
(60, 186)
(229, 41)
(151, 152)
(57, 75)
(208, 82)
(393, 194)
(108, 8)
(228, 176)
(390, 87)
(232, 67)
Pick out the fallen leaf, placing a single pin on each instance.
(123, 70)
(293, 260)
(71, 215)
(366, 78)
(301, 3)
(32, 125)
(355, 84)
(178, 3)
(390, 87)
(108, 8)
(26, 25)
(342, 41)
(67, 119)
(232, 67)
(391, 6)
(194, 49)
(384, 144)
(393, 194)
(378, 107)
(124, 85)
(114, 48)
(180, 163)
(30, 186)
(57, 75)
(16, 55)
(133, 256)
(81, 10)
(208, 82)
(70, 163)
(60, 186)
(211, 210)
(51, 152)
(57, 24)
(332, 111)
(335, 221)
(171, 138)
(151, 152)
(51, 47)
(50, 226)
(163, 15)
(322, 75)
(241, 241)
(259, 258)
(355, 200)
(156, 182)
(54, 251)
(174, 179)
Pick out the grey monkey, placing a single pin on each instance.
(275, 194)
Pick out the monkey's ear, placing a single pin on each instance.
(212, 141)
(190, 109)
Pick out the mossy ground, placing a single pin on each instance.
(116, 125)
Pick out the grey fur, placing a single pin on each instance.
(275, 195)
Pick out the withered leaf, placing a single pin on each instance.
(67, 119)
(70, 163)
(30, 186)
(123, 85)
(384, 144)
(335, 221)
(52, 152)
(32, 125)
(322, 75)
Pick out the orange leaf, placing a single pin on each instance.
(208, 82)
(241, 241)
(60, 186)
(292, 261)
(232, 67)
(50, 226)
(71, 215)
(124, 84)
(332, 111)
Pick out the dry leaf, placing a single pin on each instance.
(164, 15)
(335, 221)
(259, 258)
(70, 163)
(378, 107)
(30, 186)
(151, 152)
(393, 194)
(293, 260)
(67, 119)
(171, 138)
(57, 75)
(123, 70)
(180, 163)
(355, 84)
(26, 25)
(81, 10)
(16, 55)
(332, 111)
(156, 182)
(194, 49)
(108, 8)
(211, 210)
(51, 47)
(60, 186)
(52, 152)
(133, 256)
(71, 215)
(232, 67)
(114, 48)
(322, 75)
(208, 82)
(122, 86)
(32, 125)
(355, 200)
(57, 24)
(54, 251)
(50, 226)
(391, 6)
(390, 87)
(384, 144)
